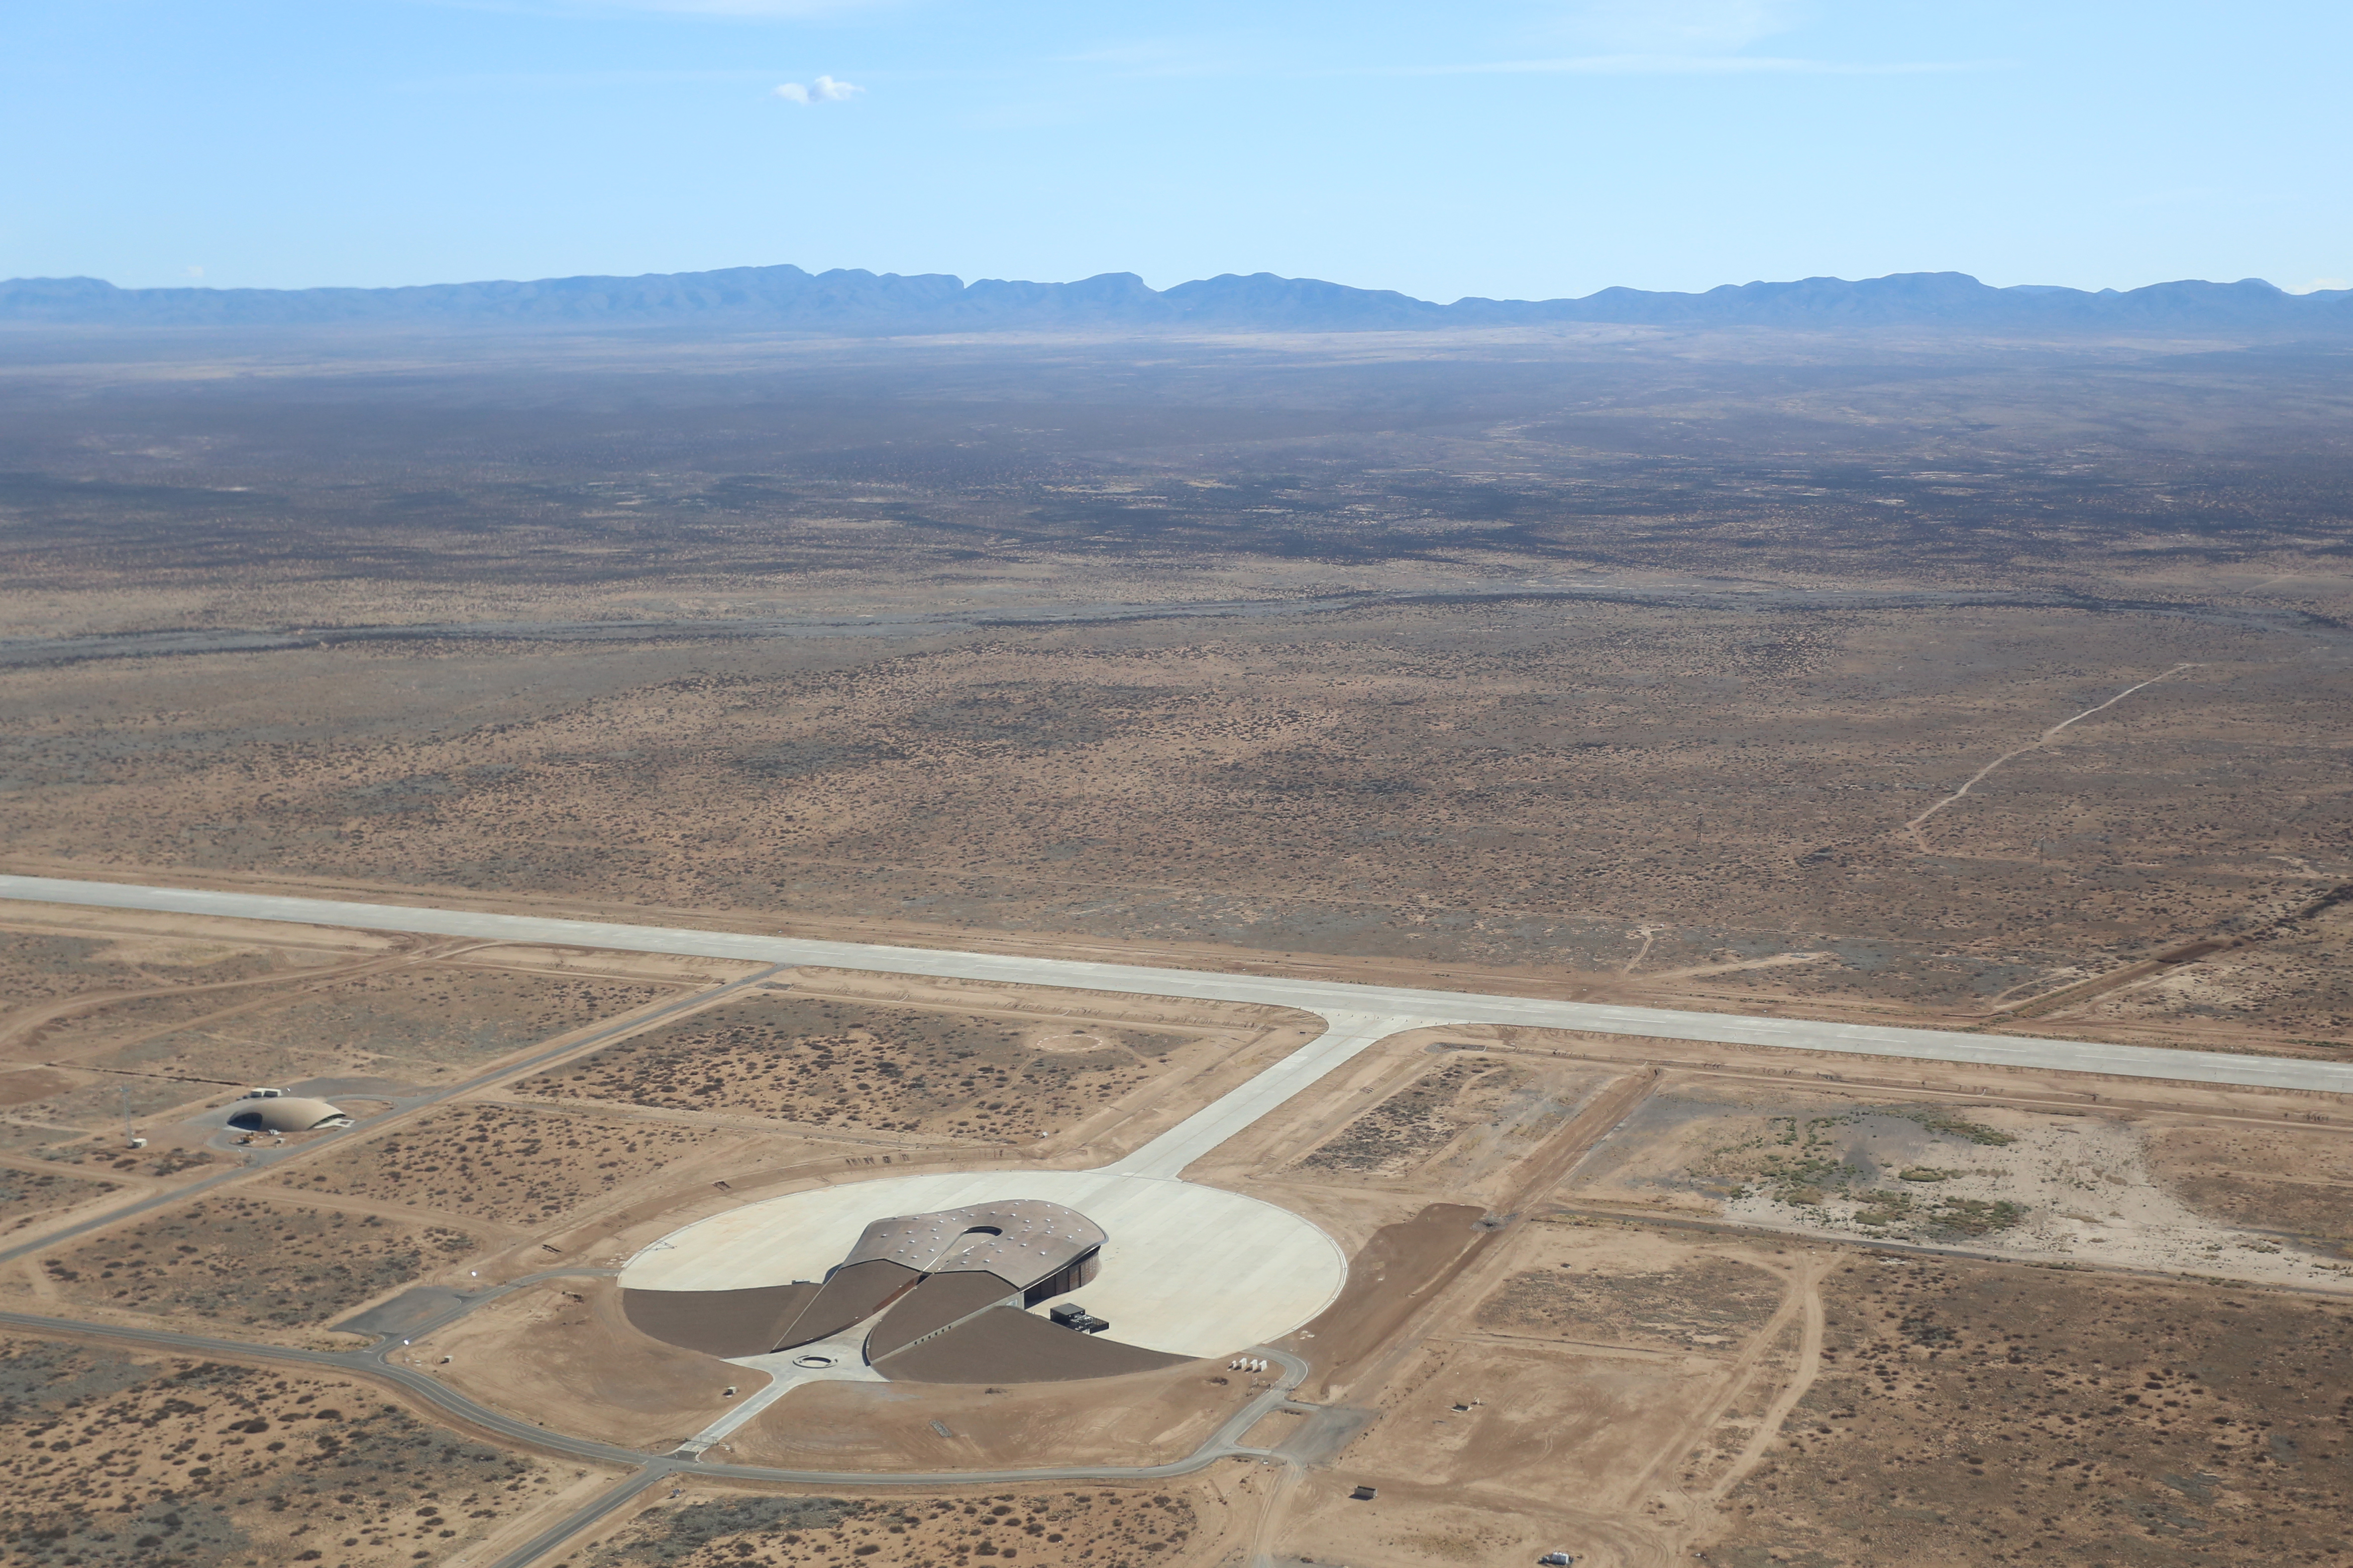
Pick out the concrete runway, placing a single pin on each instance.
(1399, 1006)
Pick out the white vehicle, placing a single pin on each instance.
(265, 1094)
(1557, 1560)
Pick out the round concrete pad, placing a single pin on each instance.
(1188, 1270)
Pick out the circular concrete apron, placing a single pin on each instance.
(1190, 1270)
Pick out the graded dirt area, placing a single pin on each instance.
(563, 1353)
(1388, 1279)
(1969, 1411)
(1708, 1300)
(2054, 1184)
(1142, 1418)
(224, 1258)
(512, 1163)
(1099, 1528)
(173, 1463)
(1575, 1364)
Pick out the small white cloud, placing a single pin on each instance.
(824, 89)
(195, 272)
(2318, 284)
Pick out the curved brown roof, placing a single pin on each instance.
(1006, 1345)
(852, 1294)
(940, 1302)
(718, 1323)
(1020, 1240)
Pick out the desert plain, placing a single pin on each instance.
(1993, 687)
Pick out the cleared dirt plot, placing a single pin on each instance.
(1388, 1279)
(1595, 1360)
(26, 1195)
(1142, 1418)
(1428, 1526)
(28, 1085)
(1991, 1413)
(1059, 1528)
(183, 1464)
(565, 1353)
(246, 1261)
(1598, 1294)
(854, 1064)
(1712, 1147)
(501, 1162)
(1552, 1427)
(2055, 1186)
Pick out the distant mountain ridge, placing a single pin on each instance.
(862, 303)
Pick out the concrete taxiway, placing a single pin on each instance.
(1403, 1006)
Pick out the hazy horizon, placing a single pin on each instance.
(2322, 286)
(1528, 151)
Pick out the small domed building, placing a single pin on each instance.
(286, 1113)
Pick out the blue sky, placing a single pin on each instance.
(1523, 148)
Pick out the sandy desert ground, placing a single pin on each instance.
(1988, 686)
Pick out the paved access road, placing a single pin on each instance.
(646, 1470)
(375, 1363)
(1406, 1008)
